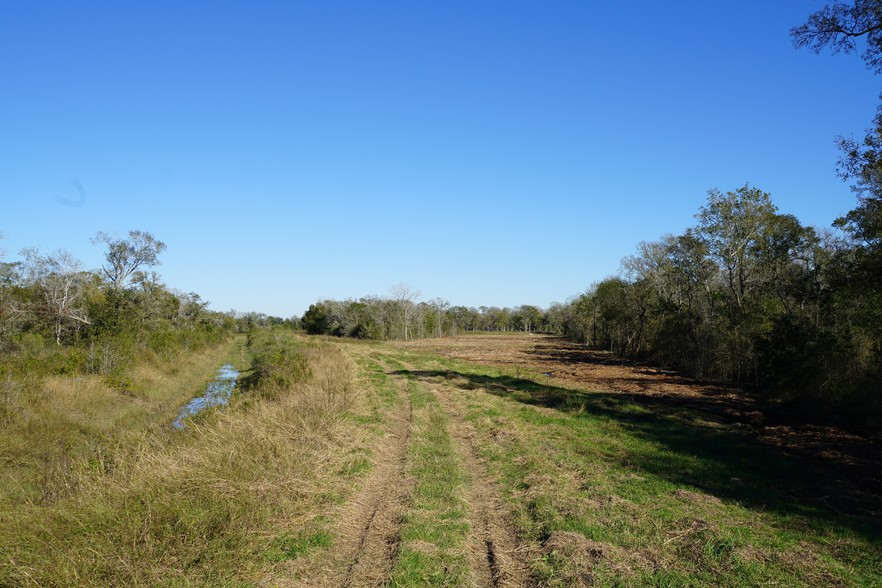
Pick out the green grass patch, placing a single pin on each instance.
(613, 492)
(434, 530)
(287, 546)
(357, 463)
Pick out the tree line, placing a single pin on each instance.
(747, 295)
(57, 317)
(403, 316)
(750, 295)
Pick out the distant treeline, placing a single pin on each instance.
(402, 317)
(56, 317)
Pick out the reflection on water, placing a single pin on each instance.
(216, 393)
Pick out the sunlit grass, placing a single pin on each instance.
(434, 529)
(63, 424)
(220, 503)
(605, 492)
(598, 489)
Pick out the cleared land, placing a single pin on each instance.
(830, 453)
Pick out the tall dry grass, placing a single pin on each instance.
(197, 508)
(52, 426)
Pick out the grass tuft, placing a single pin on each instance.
(287, 546)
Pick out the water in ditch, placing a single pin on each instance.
(217, 393)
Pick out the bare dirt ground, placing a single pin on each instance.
(560, 359)
(832, 453)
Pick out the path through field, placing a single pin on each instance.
(520, 461)
(379, 528)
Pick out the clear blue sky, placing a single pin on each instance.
(490, 153)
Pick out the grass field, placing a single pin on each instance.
(603, 491)
(65, 426)
(456, 462)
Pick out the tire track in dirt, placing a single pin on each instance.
(371, 522)
(493, 548)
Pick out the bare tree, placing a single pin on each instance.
(61, 280)
(127, 256)
(405, 297)
(440, 305)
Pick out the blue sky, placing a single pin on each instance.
(489, 153)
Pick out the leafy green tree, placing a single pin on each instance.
(747, 239)
(494, 318)
(615, 316)
(464, 318)
(531, 316)
(579, 318)
(861, 164)
(439, 306)
(732, 226)
(554, 318)
(316, 320)
(855, 272)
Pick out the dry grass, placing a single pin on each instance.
(61, 425)
(208, 506)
